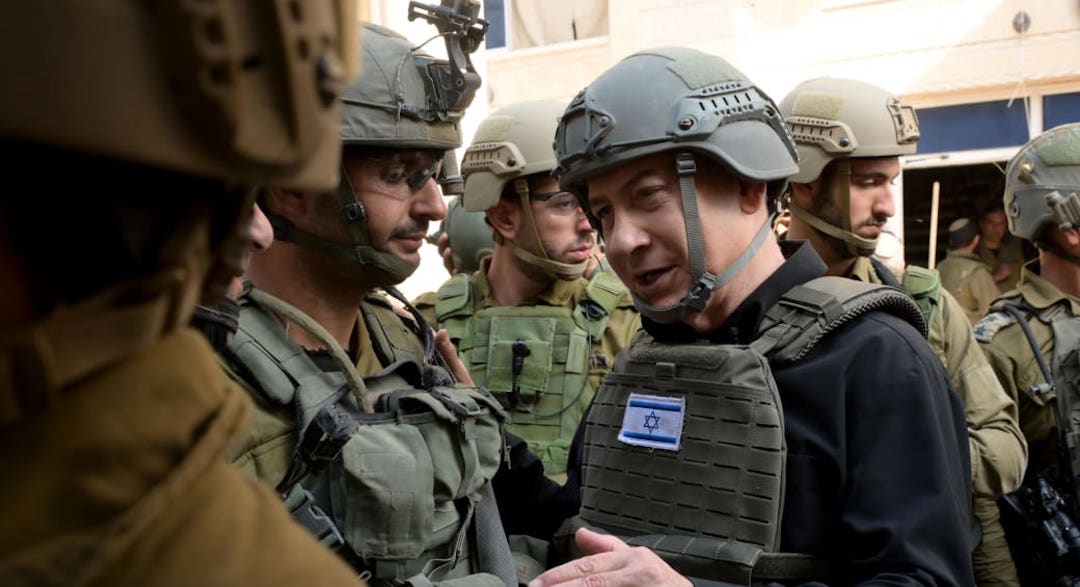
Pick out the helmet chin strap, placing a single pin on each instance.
(854, 244)
(702, 283)
(552, 268)
(382, 268)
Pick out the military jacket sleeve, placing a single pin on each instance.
(998, 448)
(877, 472)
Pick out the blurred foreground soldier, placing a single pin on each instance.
(123, 412)
(361, 429)
(527, 324)
(1001, 251)
(850, 135)
(964, 274)
(1032, 338)
(753, 433)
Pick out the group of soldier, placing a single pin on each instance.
(640, 384)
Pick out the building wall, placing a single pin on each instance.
(932, 52)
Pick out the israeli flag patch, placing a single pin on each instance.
(653, 421)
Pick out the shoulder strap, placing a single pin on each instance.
(454, 297)
(1016, 313)
(593, 310)
(925, 286)
(263, 349)
(806, 313)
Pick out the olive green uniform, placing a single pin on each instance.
(621, 326)
(124, 483)
(266, 449)
(998, 448)
(969, 280)
(1011, 356)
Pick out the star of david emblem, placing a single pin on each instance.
(652, 421)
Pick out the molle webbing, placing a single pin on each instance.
(718, 497)
(725, 482)
(535, 359)
(401, 484)
(808, 312)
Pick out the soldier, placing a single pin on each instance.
(964, 275)
(130, 155)
(360, 429)
(840, 201)
(1031, 337)
(755, 416)
(1001, 251)
(531, 329)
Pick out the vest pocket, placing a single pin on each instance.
(382, 495)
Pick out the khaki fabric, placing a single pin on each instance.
(123, 483)
(998, 448)
(1010, 253)
(1012, 359)
(969, 280)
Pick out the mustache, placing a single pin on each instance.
(410, 227)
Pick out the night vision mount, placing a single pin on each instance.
(459, 23)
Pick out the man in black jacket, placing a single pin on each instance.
(679, 160)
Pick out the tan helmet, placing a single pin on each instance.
(837, 119)
(515, 141)
(243, 92)
(510, 145)
(1042, 184)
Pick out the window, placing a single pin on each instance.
(520, 24)
(1059, 109)
(983, 125)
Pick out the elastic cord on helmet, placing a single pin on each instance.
(702, 283)
(855, 244)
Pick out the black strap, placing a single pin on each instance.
(1038, 389)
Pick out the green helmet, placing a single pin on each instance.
(469, 236)
(400, 101)
(510, 145)
(836, 119)
(1042, 184)
(695, 104)
(245, 93)
(393, 103)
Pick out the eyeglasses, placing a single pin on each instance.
(560, 203)
(412, 170)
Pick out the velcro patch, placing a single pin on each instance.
(986, 328)
(653, 421)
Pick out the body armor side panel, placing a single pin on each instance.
(405, 485)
